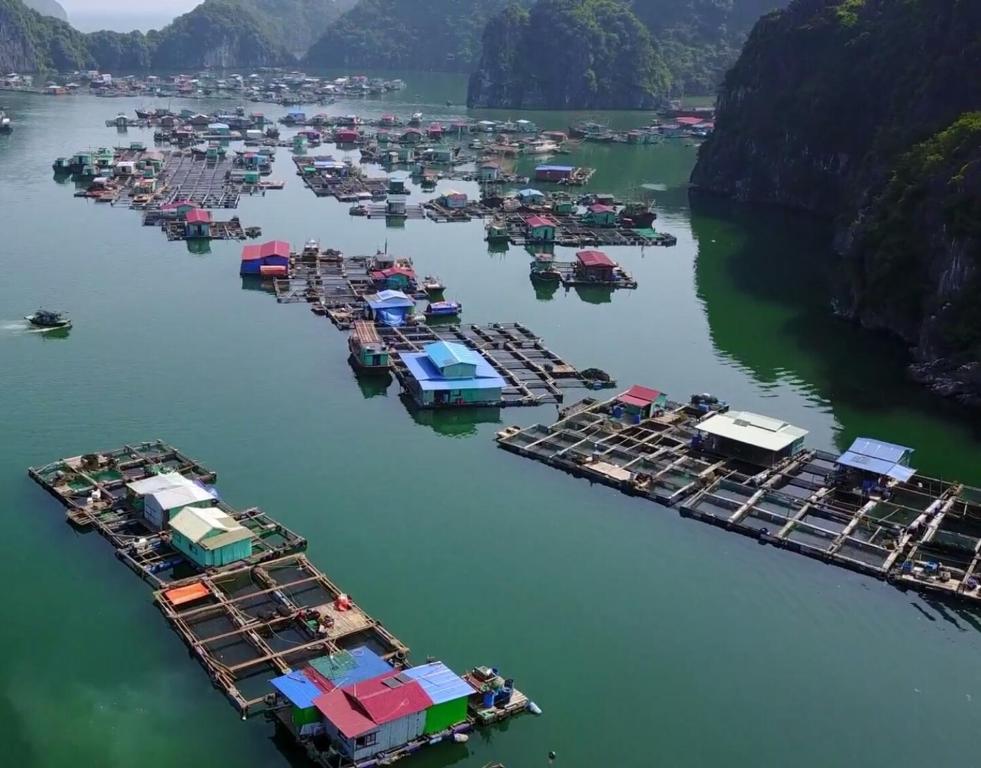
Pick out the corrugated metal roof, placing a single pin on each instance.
(172, 490)
(195, 523)
(559, 168)
(431, 379)
(440, 682)
(867, 446)
(155, 483)
(594, 259)
(362, 707)
(876, 466)
(278, 248)
(752, 429)
(642, 393)
(351, 666)
(444, 353)
(299, 687)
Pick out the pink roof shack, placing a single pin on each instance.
(600, 208)
(359, 708)
(594, 259)
(539, 221)
(689, 121)
(639, 397)
(198, 216)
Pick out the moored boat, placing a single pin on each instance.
(443, 309)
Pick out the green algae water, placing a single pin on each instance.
(646, 639)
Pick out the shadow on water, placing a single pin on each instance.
(594, 294)
(545, 291)
(764, 277)
(198, 247)
(255, 283)
(371, 384)
(452, 422)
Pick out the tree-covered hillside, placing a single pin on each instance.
(432, 35)
(865, 111)
(569, 54)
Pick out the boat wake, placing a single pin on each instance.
(21, 327)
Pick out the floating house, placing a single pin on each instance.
(210, 537)
(759, 440)
(435, 131)
(600, 215)
(375, 715)
(448, 692)
(868, 462)
(453, 200)
(554, 173)
(270, 259)
(389, 308)
(368, 351)
(595, 267)
(411, 136)
(641, 403)
(489, 171)
(219, 129)
(396, 207)
(540, 229)
(398, 183)
(301, 688)
(197, 224)
(397, 278)
(448, 374)
(162, 496)
(530, 196)
(346, 136)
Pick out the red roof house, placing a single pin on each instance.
(375, 715)
(272, 258)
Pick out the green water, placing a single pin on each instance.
(647, 639)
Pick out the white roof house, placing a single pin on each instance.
(163, 494)
(208, 527)
(752, 429)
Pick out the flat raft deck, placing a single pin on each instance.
(245, 622)
(924, 534)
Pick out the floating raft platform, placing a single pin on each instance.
(249, 624)
(252, 620)
(93, 489)
(570, 278)
(924, 534)
(534, 375)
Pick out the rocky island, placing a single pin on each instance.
(865, 112)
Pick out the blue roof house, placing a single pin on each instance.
(446, 374)
(873, 459)
(389, 308)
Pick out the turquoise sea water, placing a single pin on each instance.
(647, 639)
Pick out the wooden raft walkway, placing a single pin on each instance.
(924, 534)
(533, 373)
(93, 488)
(246, 622)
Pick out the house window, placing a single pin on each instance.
(368, 740)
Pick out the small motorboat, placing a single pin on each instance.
(443, 309)
(432, 285)
(45, 318)
(357, 210)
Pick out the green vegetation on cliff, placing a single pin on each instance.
(296, 24)
(218, 33)
(431, 35)
(700, 39)
(30, 42)
(569, 54)
(861, 111)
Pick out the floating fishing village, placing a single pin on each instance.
(272, 630)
